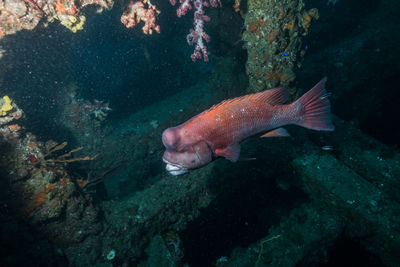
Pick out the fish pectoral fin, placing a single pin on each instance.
(279, 132)
(231, 152)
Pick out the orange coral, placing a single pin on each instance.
(14, 127)
(52, 146)
(57, 147)
(39, 198)
(289, 25)
(307, 20)
(60, 8)
(307, 16)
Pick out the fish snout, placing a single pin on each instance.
(170, 138)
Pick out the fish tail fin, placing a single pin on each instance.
(314, 109)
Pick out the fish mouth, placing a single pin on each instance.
(174, 169)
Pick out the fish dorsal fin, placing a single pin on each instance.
(275, 96)
(231, 152)
(279, 132)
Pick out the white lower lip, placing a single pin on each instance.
(171, 167)
(175, 170)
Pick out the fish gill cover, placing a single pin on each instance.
(87, 88)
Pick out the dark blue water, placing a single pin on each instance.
(313, 199)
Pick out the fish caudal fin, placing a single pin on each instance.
(314, 109)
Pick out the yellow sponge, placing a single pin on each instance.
(6, 105)
(73, 23)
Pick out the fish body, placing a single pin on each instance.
(218, 131)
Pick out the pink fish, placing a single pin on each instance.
(218, 131)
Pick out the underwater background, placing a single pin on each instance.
(87, 88)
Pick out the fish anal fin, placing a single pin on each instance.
(231, 152)
(279, 132)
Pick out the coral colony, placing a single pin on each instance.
(138, 11)
(17, 15)
(197, 34)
